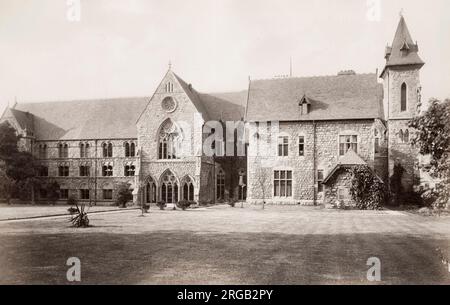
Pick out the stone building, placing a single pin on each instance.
(301, 135)
(330, 123)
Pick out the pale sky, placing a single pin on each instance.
(122, 48)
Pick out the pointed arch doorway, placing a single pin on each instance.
(150, 191)
(169, 188)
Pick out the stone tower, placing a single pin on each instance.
(401, 81)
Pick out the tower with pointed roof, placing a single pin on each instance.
(401, 82)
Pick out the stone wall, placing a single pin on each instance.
(189, 120)
(304, 168)
(95, 160)
(341, 180)
(403, 153)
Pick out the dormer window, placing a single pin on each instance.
(305, 105)
(405, 48)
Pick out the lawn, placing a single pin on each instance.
(26, 211)
(224, 245)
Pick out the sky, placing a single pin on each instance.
(119, 48)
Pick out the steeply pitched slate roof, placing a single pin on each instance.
(339, 97)
(88, 119)
(402, 39)
(228, 106)
(351, 158)
(193, 96)
(24, 119)
(112, 118)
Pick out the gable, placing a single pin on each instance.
(172, 86)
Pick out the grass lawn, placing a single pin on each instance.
(24, 211)
(224, 245)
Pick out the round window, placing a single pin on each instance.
(169, 104)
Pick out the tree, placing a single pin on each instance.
(8, 141)
(431, 136)
(19, 166)
(6, 185)
(123, 194)
(367, 190)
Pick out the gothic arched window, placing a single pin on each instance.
(63, 150)
(403, 97)
(150, 191)
(188, 189)
(169, 188)
(132, 150)
(107, 150)
(127, 149)
(401, 136)
(43, 151)
(169, 141)
(220, 185)
(406, 136)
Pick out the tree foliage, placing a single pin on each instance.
(432, 137)
(18, 166)
(8, 141)
(6, 185)
(124, 194)
(367, 190)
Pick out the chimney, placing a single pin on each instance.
(346, 72)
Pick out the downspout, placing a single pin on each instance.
(95, 173)
(314, 164)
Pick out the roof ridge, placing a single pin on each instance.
(83, 100)
(315, 76)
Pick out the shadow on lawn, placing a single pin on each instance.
(238, 258)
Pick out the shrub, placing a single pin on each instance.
(72, 201)
(145, 207)
(367, 190)
(72, 210)
(161, 205)
(123, 194)
(184, 204)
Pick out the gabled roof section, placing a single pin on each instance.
(340, 97)
(85, 119)
(229, 106)
(193, 96)
(403, 50)
(351, 158)
(24, 119)
(305, 100)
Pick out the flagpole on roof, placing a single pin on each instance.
(290, 66)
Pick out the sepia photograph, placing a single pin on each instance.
(224, 149)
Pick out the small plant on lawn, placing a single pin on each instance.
(124, 195)
(367, 190)
(79, 218)
(145, 207)
(184, 204)
(161, 205)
